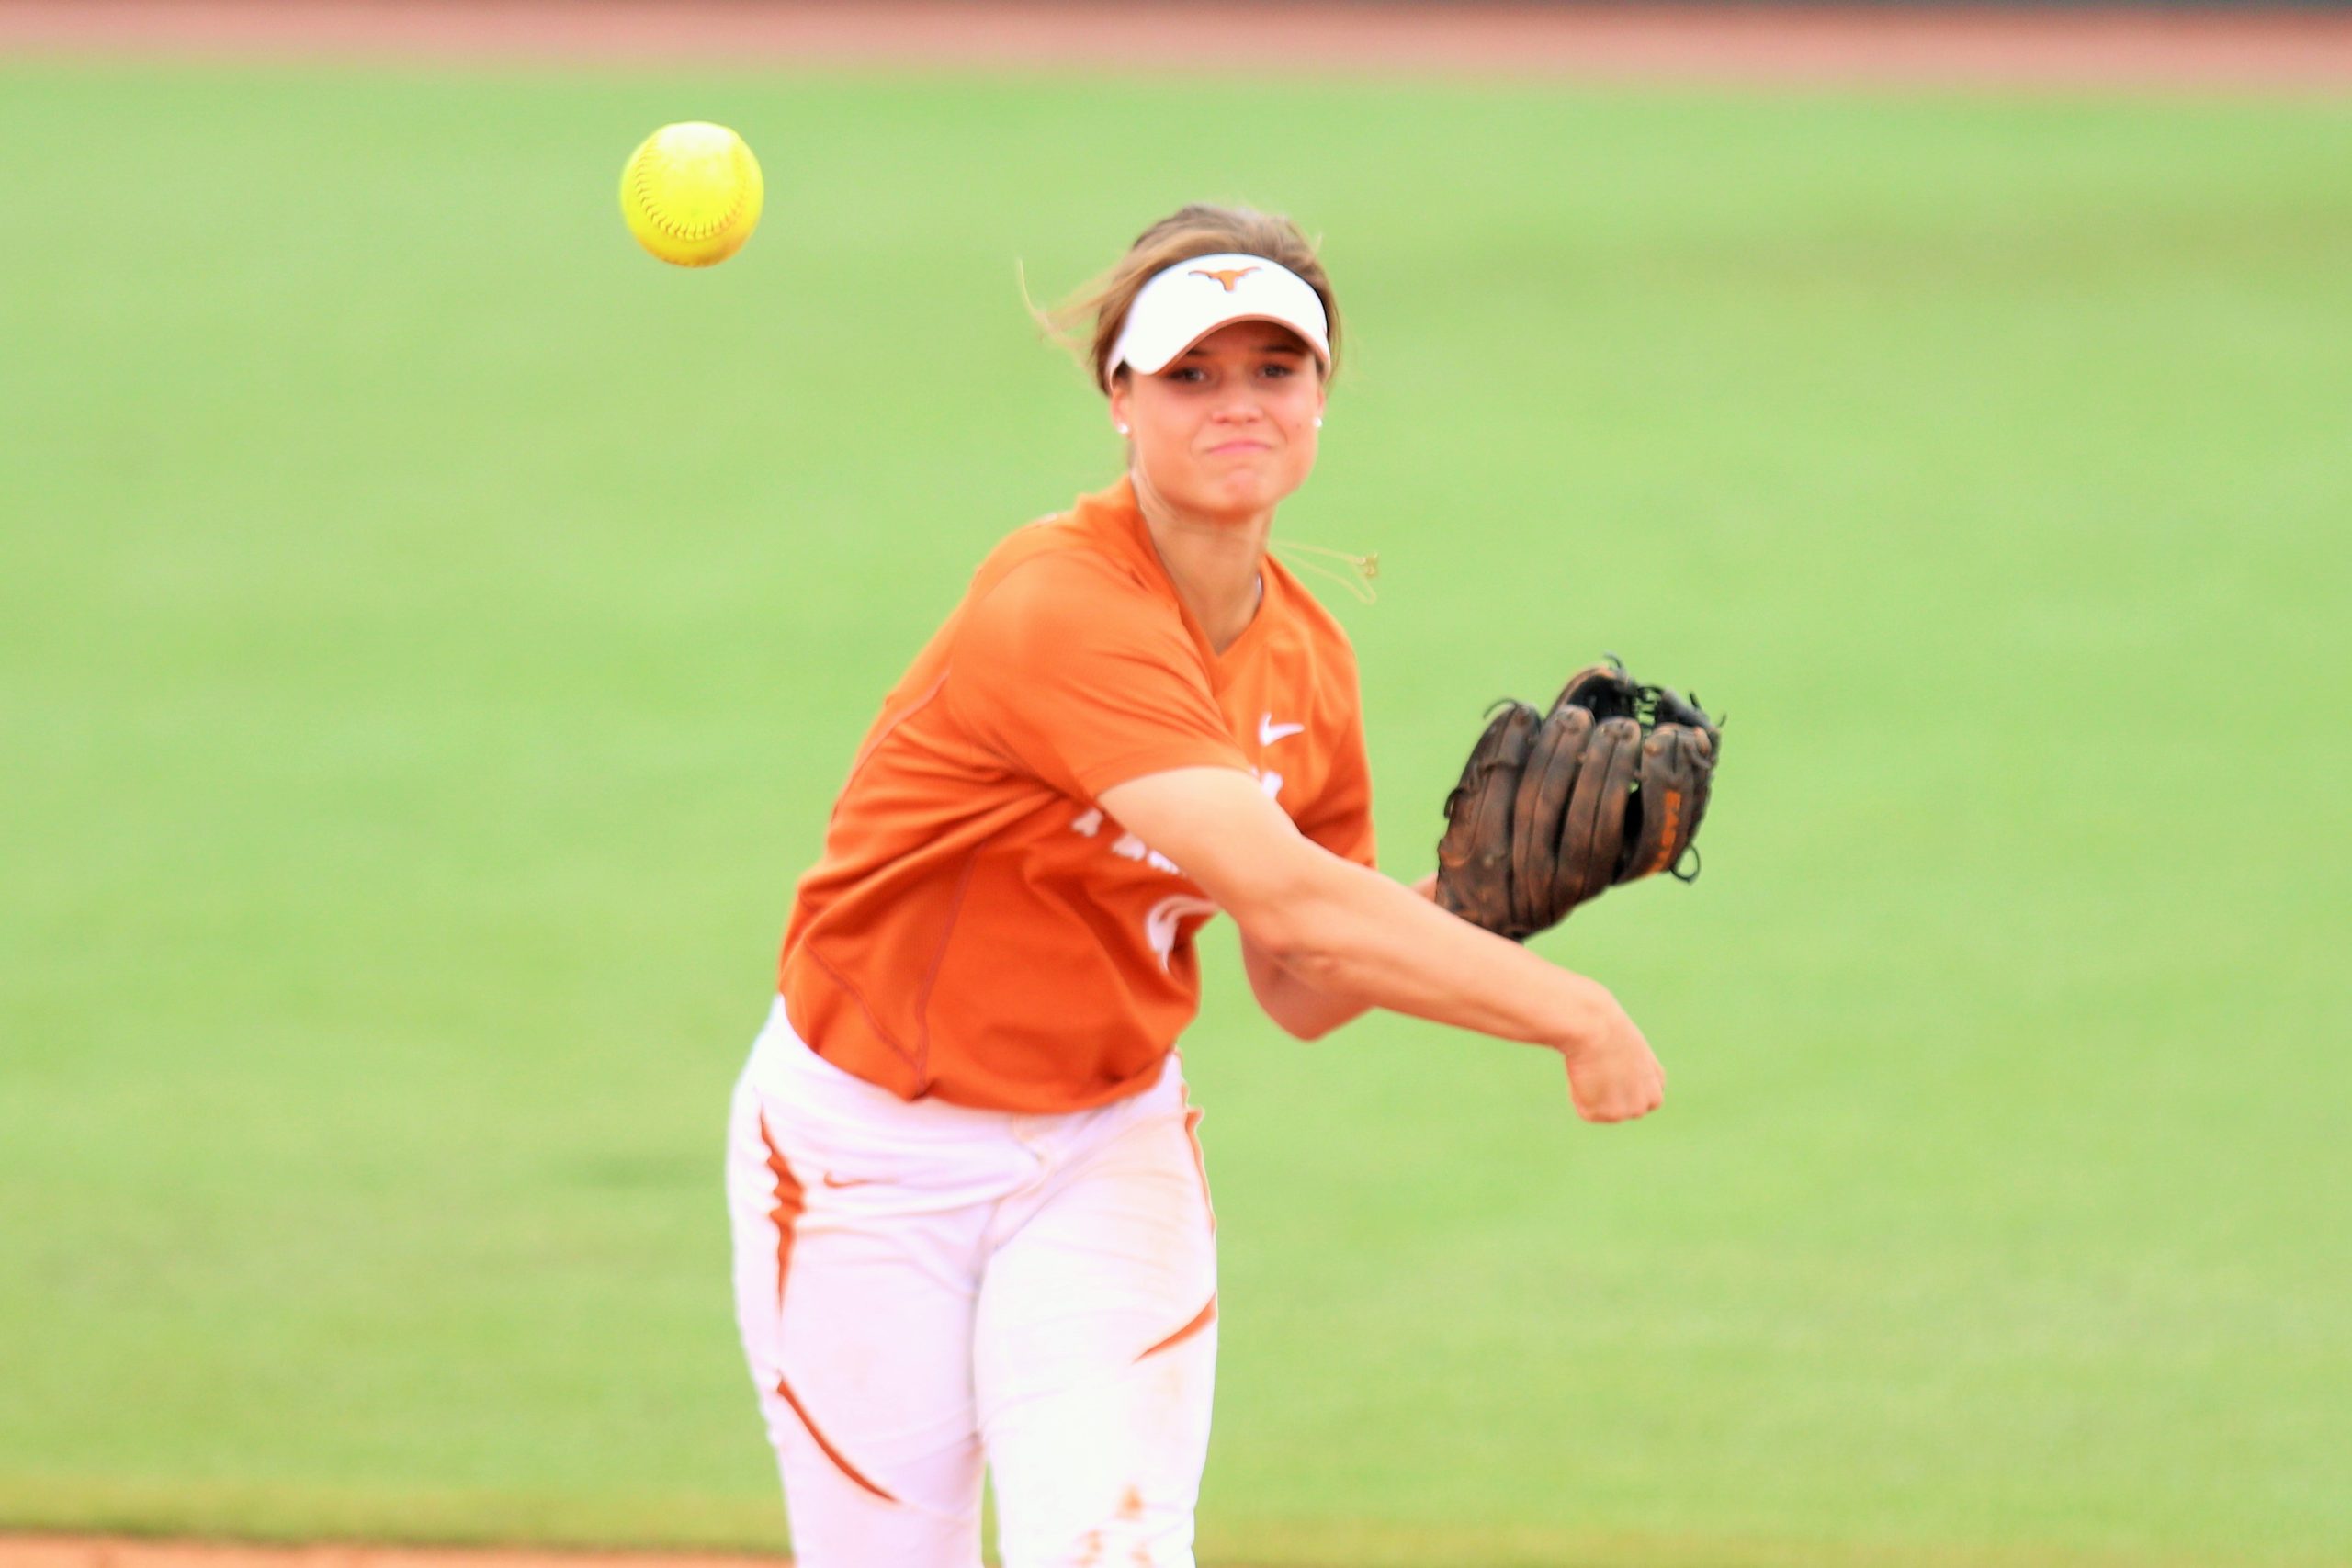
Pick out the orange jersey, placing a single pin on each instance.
(977, 929)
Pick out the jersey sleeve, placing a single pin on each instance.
(1340, 818)
(1077, 676)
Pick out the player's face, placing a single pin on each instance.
(1226, 428)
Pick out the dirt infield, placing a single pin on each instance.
(99, 1551)
(1819, 46)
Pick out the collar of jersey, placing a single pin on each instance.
(1118, 503)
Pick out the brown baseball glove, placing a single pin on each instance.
(1556, 808)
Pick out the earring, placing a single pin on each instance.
(1121, 429)
(1318, 422)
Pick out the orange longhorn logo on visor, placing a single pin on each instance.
(1228, 275)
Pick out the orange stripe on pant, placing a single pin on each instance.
(1201, 1319)
(1192, 1114)
(791, 1199)
(830, 1452)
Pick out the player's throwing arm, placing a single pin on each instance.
(1350, 932)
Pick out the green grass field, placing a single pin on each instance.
(431, 633)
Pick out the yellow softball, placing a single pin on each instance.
(691, 192)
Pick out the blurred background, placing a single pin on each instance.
(431, 633)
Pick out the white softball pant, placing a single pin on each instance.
(924, 1289)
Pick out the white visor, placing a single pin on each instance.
(1195, 296)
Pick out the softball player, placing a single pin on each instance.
(971, 1222)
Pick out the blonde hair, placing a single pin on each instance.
(1088, 322)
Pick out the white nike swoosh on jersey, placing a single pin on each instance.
(1269, 731)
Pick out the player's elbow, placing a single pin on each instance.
(1293, 900)
(1285, 923)
(1290, 1008)
(1293, 1006)
(1325, 970)
(1307, 1030)
(1276, 930)
(1296, 928)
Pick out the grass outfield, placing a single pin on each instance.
(431, 634)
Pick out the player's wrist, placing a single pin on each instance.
(1588, 1017)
